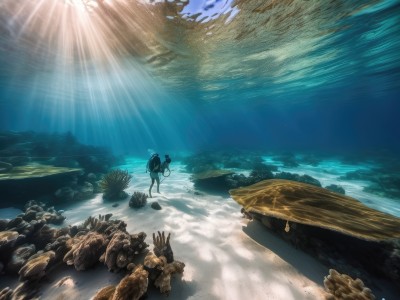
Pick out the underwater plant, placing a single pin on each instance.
(138, 200)
(114, 183)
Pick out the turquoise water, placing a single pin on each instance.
(189, 75)
(311, 87)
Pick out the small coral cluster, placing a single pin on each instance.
(30, 249)
(138, 200)
(114, 183)
(157, 269)
(342, 286)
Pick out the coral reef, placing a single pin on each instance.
(114, 183)
(138, 200)
(342, 286)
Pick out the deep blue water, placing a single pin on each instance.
(257, 75)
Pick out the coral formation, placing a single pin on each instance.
(160, 271)
(114, 183)
(162, 246)
(85, 251)
(163, 282)
(122, 249)
(342, 286)
(19, 256)
(6, 294)
(138, 200)
(35, 268)
(133, 286)
(105, 293)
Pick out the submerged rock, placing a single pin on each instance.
(311, 205)
(155, 205)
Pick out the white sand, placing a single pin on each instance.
(226, 256)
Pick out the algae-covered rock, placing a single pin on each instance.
(307, 204)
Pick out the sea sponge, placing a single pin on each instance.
(133, 286)
(114, 183)
(342, 286)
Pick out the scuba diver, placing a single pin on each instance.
(155, 167)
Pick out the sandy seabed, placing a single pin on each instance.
(226, 256)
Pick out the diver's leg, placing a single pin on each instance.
(151, 186)
(158, 184)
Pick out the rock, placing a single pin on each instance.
(155, 206)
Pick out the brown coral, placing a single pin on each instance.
(133, 286)
(342, 286)
(35, 268)
(86, 250)
(160, 271)
(122, 248)
(162, 246)
(163, 282)
(106, 293)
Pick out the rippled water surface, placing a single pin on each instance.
(185, 72)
